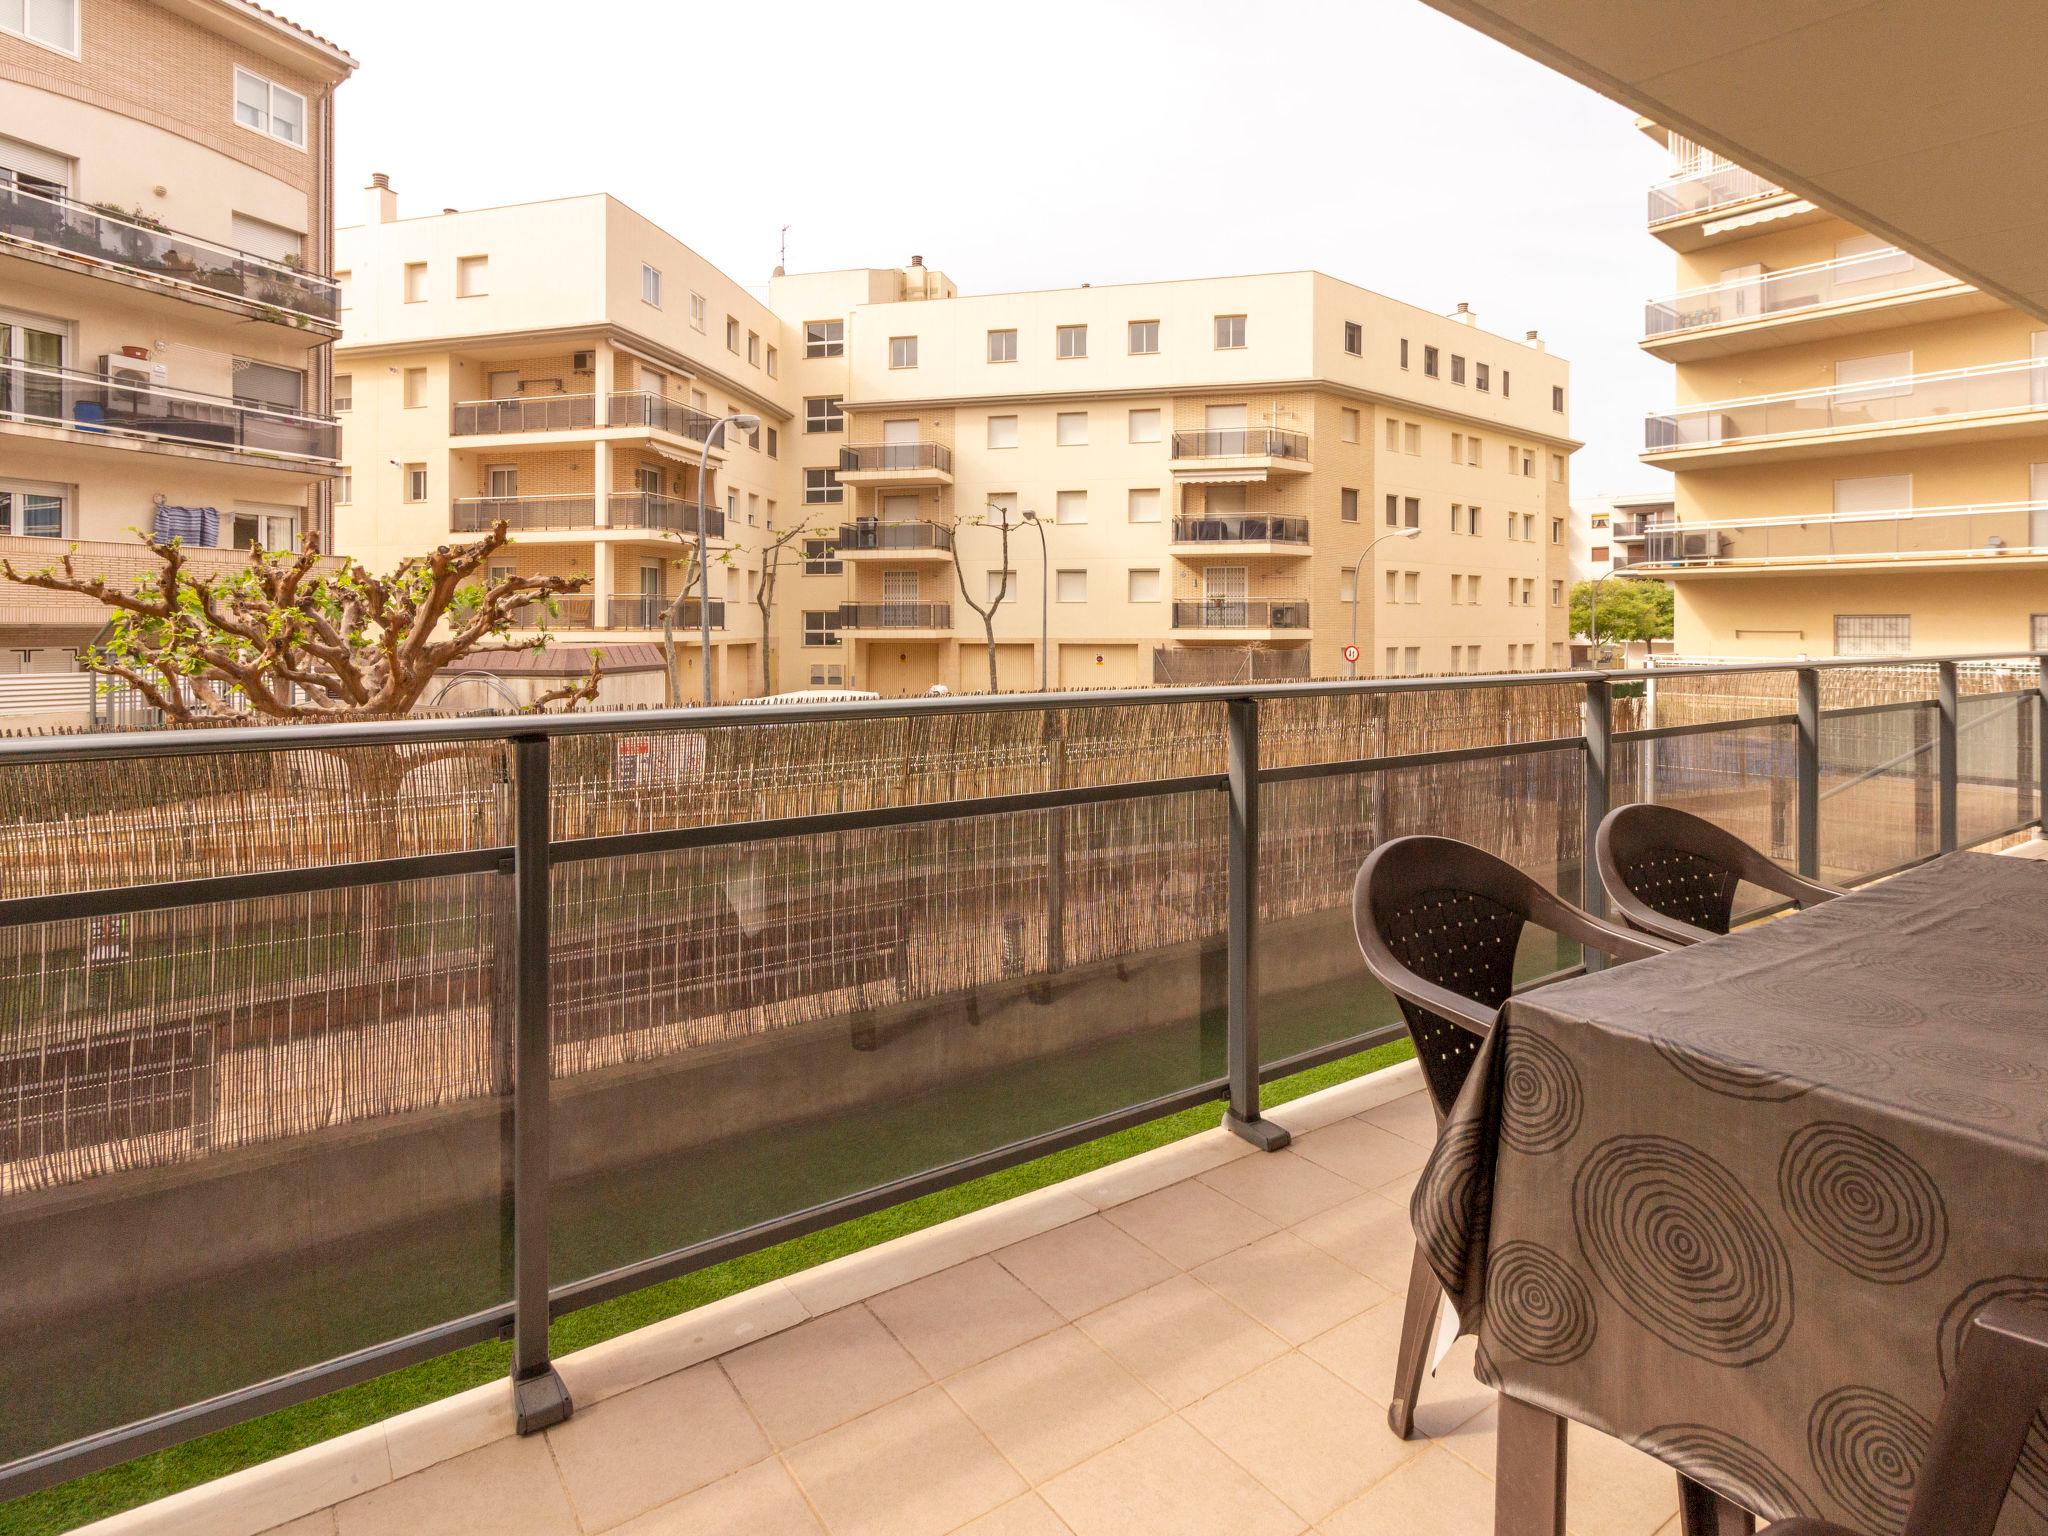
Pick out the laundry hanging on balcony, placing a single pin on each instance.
(197, 526)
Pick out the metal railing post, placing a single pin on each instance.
(539, 1394)
(1945, 755)
(2041, 745)
(1599, 733)
(1243, 938)
(1806, 772)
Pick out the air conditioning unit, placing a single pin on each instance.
(584, 362)
(124, 371)
(1702, 546)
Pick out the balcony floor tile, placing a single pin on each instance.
(1167, 1481)
(918, 1467)
(822, 1373)
(1190, 1224)
(761, 1501)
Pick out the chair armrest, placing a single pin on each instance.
(1673, 932)
(1575, 923)
(1804, 1527)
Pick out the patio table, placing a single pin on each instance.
(1737, 1204)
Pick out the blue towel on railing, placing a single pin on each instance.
(197, 526)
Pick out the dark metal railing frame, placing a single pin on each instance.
(525, 867)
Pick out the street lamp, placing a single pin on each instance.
(1358, 581)
(746, 421)
(1593, 619)
(1044, 605)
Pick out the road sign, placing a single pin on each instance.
(1351, 653)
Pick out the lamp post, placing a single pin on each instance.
(1358, 580)
(746, 421)
(1593, 618)
(1044, 606)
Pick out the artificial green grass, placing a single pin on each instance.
(94, 1497)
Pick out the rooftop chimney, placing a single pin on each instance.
(451, 210)
(1464, 315)
(917, 261)
(1535, 341)
(383, 201)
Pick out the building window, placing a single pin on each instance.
(259, 104)
(1347, 504)
(1072, 507)
(344, 487)
(1557, 397)
(1144, 504)
(824, 338)
(822, 413)
(1144, 587)
(1348, 420)
(1873, 634)
(732, 335)
(821, 558)
(1002, 586)
(1404, 351)
(36, 511)
(902, 351)
(1411, 587)
(1393, 586)
(1147, 426)
(1071, 340)
(1557, 468)
(774, 363)
(1073, 429)
(415, 388)
(1229, 332)
(1472, 524)
(822, 486)
(2038, 632)
(1457, 369)
(1070, 586)
(1506, 379)
(1002, 346)
(1393, 435)
(1002, 431)
(472, 276)
(821, 626)
(1472, 451)
(415, 482)
(1429, 362)
(1528, 464)
(754, 348)
(1411, 437)
(1144, 337)
(774, 443)
(1411, 511)
(415, 282)
(697, 310)
(1557, 594)
(650, 285)
(344, 391)
(1482, 377)
(1354, 338)
(1393, 511)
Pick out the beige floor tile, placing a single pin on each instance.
(1283, 1187)
(1182, 1340)
(1028, 1516)
(1434, 1494)
(1053, 1402)
(1361, 1350)
(1084, 1265)
(653, 1444)
(963, 1315)
(822, 1373)
(915, 1468)
(759, 1501)
(1190, 1223)
(1162, 1166)
(1409, 1117)
(1372, 1235)
(320, 1523)
(1364, 1153)
(1167, 1480)
(857, 1276)
(1612, 1489)
(1670, 1528)
(1295, 1289)
(506, 1489)
(1472, 1442)
(1399, 1191)
(1302, 1433)
(1453, 1397)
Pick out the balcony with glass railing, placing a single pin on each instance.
(896, 617)
(896, 464)
(1794, 293)
(521, 414)
(632, 611)
(897, 540)
(1986, 399)
(1980, 534)
(136, 246)
(1267, 446)
(1232, 532)
(645, 408)
(99, 410)
(1236, 614)
(1706, 191)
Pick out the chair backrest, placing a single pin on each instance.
(1439, 922)
(1674, 874)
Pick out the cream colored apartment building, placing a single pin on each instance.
(1190, 472)
(166, 316)
(1859, 444)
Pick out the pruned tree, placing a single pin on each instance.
(987, 613)
(692, 576)
(774, 548)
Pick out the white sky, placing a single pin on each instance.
(1040, 146)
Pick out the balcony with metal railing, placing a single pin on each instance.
(898, 618)
(1848, 293)
(1955, 404)
(1238, 453)
(1707, 190)
(1234, 616)
(904, 540)
(1982, 535)
(645, 408)
(1240, 533)
(522, 414)
(896, 464)
(91, 411)
(113, 243)
(641, 611)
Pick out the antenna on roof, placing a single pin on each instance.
(782, 257)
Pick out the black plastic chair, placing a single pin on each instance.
(1438, 922)
(1999, 1387)
(1671, 874)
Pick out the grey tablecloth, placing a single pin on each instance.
(1737, 1204)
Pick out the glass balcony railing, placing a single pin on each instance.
(634, 510)
(1241, 443)
(896, 616)
(855, 537)
(1871, 275)
(634, 611)
(1719, 186)
(886, 456)
(536, 413)
(1917, 397)
(94, 407)
(644, 408)
(147, 249)
(665, 514)
(1988, 531)
(1240, 613)
(1240, 529)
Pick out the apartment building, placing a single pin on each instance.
(1195, 480)
(1609, 534)
(166, 309)
(1860, 442)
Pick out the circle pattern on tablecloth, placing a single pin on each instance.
(1954, 1103)
(1672, 1236)
(1452, 1187)
(1541, 1100)
(2030, 1481)
(1968, 1061)
(1731, 1466)
(1537, 1306)
(1867, 1447)
(1862, 1202)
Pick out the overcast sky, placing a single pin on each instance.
(1049, 144)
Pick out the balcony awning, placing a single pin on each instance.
(1758, 216)
(1219, 476)
(672, 456)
